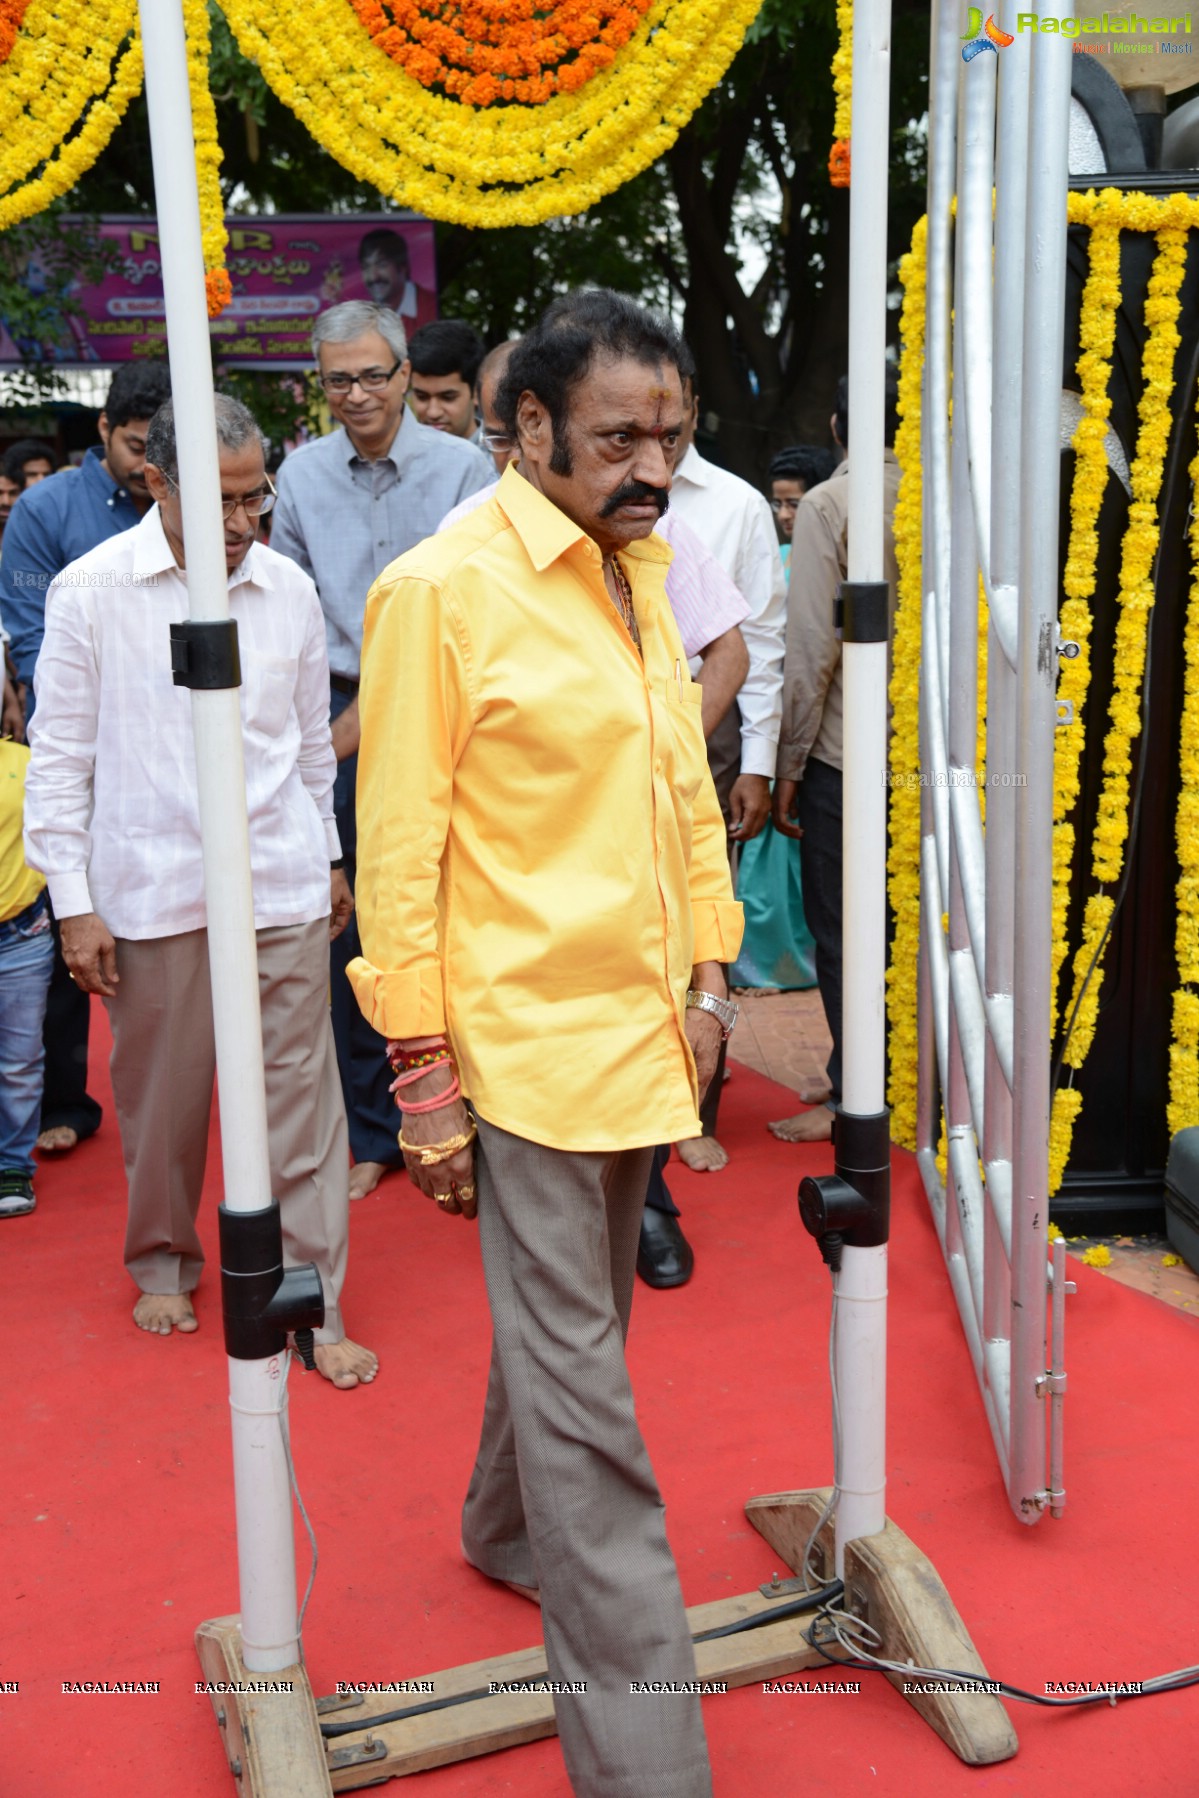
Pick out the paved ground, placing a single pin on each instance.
(784, 1036)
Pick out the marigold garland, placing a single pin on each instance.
(65, 84)
(505, 163)
(213, 232)
(839, 155)
(11, 14)
(483, 51)
(903, 851)
(1134, 603)
(1170, 218)
(1183, 1109)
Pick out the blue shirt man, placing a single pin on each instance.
(53, 523)
(349, 504)
(60, 519)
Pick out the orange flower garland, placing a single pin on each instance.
(11, 14)
(485, 51)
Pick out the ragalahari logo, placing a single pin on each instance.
(982, 37)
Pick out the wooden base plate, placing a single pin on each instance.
(897, 1590)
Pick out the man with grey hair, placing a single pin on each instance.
(112, 820)
(349, 504)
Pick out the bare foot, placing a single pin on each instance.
(365, 1176)
(58, 1139)
(806, 1126)
(814, 1092)
(345, 1363)
(702, 1154)
(162, 1312)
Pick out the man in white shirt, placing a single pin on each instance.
(112, 820)
(734, 521)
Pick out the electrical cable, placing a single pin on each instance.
(299, 1498)
(857, 1637)
(843, 1625)
(1134, 822)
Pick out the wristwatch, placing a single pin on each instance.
(725, 1011)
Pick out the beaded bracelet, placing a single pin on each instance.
(402, 1060)
(415, 1074)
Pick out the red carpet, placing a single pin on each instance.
(117, 1520)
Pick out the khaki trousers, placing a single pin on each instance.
(563, 1496)
(163, 1067)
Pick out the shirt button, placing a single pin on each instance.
(382, 543)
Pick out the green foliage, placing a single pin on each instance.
(43, 263)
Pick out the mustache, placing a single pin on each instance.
(636, 493)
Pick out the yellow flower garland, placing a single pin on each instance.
(839, 161)
(502, 164)
(1135, 602)
(214, 235)
(903, 853)
(65, 67)
(1170, 218)
(1183, 1109)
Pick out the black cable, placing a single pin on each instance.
(1164, 1684)
(804, 1601)
(1134, 822)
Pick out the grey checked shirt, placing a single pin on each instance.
(343, 519)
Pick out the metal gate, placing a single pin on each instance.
(998, 141)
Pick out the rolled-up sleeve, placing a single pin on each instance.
(62, 735)
(413, 732)
(717, 920)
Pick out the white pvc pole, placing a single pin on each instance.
(860, 1338)
(266, 1552)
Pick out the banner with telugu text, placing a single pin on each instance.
(285, 269)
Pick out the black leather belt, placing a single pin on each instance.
(342, 683)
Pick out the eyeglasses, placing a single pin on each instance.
(255, 505)
(371, 380)
(784, 505)
(497, 441)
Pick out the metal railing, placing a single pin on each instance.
(998, 142)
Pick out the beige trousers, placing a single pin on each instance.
(163, 1067)
(563, 1496)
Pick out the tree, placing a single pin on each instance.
(746, 181)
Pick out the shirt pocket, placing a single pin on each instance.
(689, 751)
(270, 690)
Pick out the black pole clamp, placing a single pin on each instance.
(261, 1301)
(852, 1205)
(204, 653)
(865, 611)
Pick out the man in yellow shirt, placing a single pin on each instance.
(26, 960)
(545, 903)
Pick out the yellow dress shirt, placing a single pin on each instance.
(541, 858)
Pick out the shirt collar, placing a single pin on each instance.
(95, 471)
(153, 555)
(404, 448)
(692, 468)
(547, 532)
